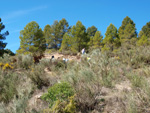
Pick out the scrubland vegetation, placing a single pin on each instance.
(109, 81)
(114, 75)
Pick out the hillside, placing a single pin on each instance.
(107, 82)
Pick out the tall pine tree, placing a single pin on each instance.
(65, 42)
(2, 37)
(32, 40)
(79, 38)
(96, 40)
(54, 33)
(144, 35)
(110, 37)
(50, 43)
(127, 33)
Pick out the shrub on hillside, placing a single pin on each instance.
(6, 58)
(15, 92)
(8, 84)
(89, 76)
(60, 91)
(63, 106)
(38, 76)
(24, 61)
(136, 57)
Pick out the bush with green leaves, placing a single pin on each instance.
(24, 61)
(89, 76)
(8, 84)
(15, 92)
(59, 91)
(65, 106)
(6, 58)
(38, 75)
(136, 57)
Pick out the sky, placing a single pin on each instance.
(16, 14)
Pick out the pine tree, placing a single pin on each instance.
(90, 34)
(91, 31)
(65, 42)
(96, 41)
(79, 38)
(49, 37)
(110, 37)
(144, 35)
(127, 33)
(2, 37)
(54, 33)
(32, 40)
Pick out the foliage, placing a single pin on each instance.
(5, 58)
(144, 35)
(79, 38)
(110, 36)
(97, 40)
(7, 66)
(8, 51)
(91, 31)
(8, 84)
(2, 37)
(55, 33)
(48, 36)
(15, 92)
(137, 57)
(65, 42)
(38, 76)
(143, 41)
(24, 61)
(32, 40)
(127, 32)
(65, 106)
(60, 91)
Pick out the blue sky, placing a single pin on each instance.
(16, 14)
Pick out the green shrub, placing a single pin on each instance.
(38, 76)
(136, 57)
(59, 91)
(65, 106)
(8, 84)
(24, 61)
(16, 93)
(6, 58)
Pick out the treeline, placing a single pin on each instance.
(60, 36)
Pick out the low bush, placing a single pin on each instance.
(8, 84)
(38, 76)
(136, 57)
(65, 106)
(60, 91)
(24, 61)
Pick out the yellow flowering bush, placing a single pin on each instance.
(7, 66)
(66, 106)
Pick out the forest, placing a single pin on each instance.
(112, 76)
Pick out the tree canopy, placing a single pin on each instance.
(54, 33)
(79, 37)
(2, 37)
(110, 36)
(144, 35)
(31, 39)
(60, 36)
(127, 32)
